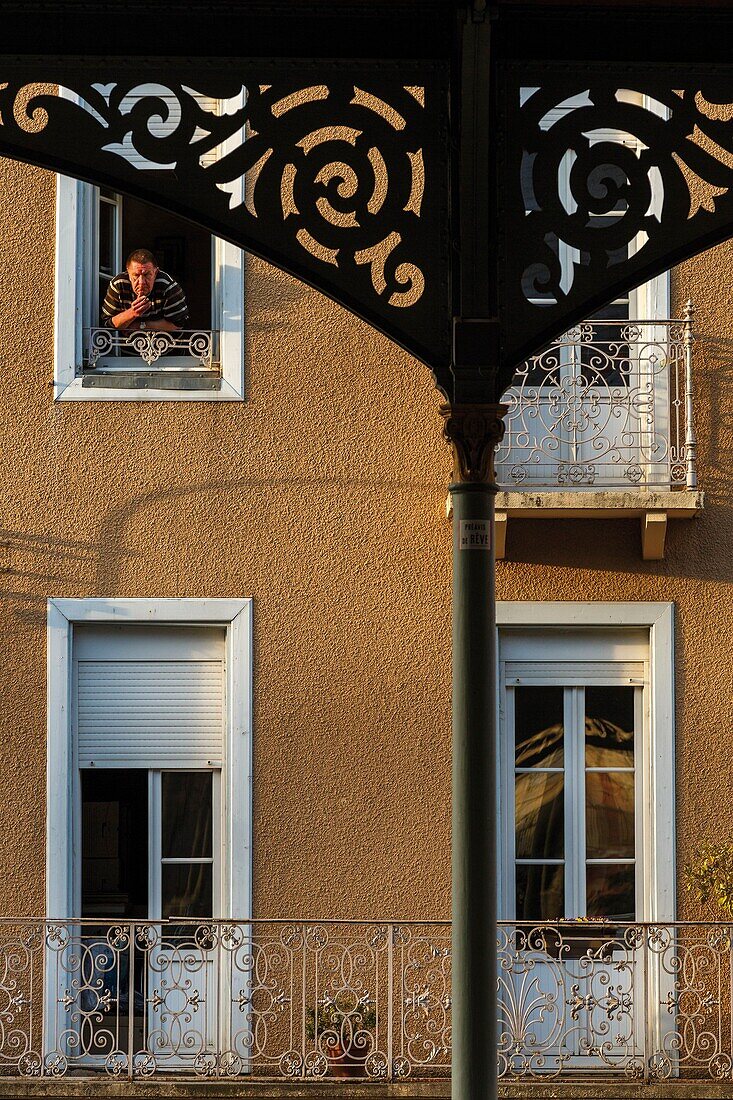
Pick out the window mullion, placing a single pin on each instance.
(576, 793)
(118, 231)
(155, 844)
(642, 823)
(569, 847)
(508, 813)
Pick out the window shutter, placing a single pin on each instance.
(164, 122)
(149, 702)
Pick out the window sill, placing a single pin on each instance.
(652, 508)
(145, 385)
(151, 380)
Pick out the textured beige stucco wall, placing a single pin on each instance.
(322, 496)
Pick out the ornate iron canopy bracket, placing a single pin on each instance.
(472, 197)
(335, 172)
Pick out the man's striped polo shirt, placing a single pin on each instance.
(167, 298)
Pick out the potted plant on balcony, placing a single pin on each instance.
(344, 1035)
(709, 875)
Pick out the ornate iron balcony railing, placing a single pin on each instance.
(609, 406)
(364, 999)
(111, 348)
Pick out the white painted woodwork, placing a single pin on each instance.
(149, 697)
(67, 621)
(76, 270)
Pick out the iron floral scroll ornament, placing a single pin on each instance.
(339, 178)
(340, 174)
(607, 180)
(474, 432)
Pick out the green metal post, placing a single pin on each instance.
(474, 434)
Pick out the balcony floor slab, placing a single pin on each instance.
(653, 508)
(169, 1088)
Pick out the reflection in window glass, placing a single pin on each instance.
(540, 815)
(609, 727)
(187, 890)
(186, 815)
(609, 815)
(610, 891)
(538, 724)
(540, 891)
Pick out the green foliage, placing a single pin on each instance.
(709, 875)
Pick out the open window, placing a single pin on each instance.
(97, 228)
(148, 827)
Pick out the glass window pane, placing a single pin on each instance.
(187, 890)
(107, 214)
(187, 811)
(539, 809)
(610, 891)
(609, 727)
(609, 815)
(540, 891)
(538, 724)
(607, 355)
(114, 842)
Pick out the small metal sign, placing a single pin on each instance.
(474, 534)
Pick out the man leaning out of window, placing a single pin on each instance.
(144, 297)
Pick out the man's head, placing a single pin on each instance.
(141, 267)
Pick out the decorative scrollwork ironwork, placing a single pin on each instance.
(340, 178)
(596, 996)
(151, 346)
(607, 180)
(604, 407)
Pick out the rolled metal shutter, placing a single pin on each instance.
(149, 698)
(164, 119)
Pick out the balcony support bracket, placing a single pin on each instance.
(653, 534)
(653, 510)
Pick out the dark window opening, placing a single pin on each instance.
(114, 843)
(182, 249)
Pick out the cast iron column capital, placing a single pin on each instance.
(474, 432)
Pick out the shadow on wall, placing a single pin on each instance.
(713, 386)
(34, 567)
(269, 308)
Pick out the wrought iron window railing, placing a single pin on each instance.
(608, 406)
(113, 348)
(364, 999)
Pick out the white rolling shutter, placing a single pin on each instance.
(164, 119)
(149, 697)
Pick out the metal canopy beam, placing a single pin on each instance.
(408, 185)
(402, 29)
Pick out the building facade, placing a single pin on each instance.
(226, 666)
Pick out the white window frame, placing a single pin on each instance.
(657, 758)
(76, 269)
(63, 784)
